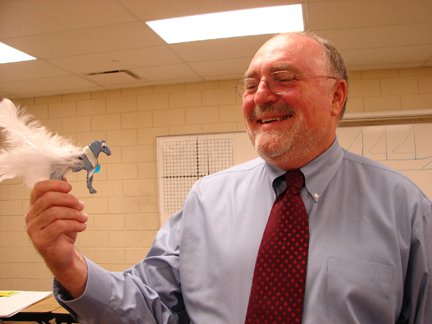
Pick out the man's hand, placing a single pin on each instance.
(54, 219)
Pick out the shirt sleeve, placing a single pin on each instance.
(149, 292)
(417, 301)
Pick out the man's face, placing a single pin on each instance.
(291, 128)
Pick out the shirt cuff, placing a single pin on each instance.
(96, 295)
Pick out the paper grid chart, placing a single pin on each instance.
(183, 160)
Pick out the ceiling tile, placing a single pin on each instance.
(222, 69)
(383, 58)
(29, 17)
(48, 86)
(380, 36)
(167, 72)
(28, 70)
(117, 60)
(324, 15)
(91, 40)
(219, 49)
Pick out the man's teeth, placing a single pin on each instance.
(270, 120)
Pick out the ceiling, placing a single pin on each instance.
(74, 38)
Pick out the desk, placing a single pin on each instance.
(42, 312)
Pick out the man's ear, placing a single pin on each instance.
(339, 97)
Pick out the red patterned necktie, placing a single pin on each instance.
(280, 271)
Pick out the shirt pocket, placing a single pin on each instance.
(359, 292)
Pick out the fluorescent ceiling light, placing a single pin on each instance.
(258, 21)
(9, 54)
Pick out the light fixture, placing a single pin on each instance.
(9, 54)
(258, 21)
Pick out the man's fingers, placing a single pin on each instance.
(53, 199)
(55, 222)
(56, 237)
(42, 187)
(55, 214)
(68, 227)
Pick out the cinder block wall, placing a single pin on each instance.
(124, 212)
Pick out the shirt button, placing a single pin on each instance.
(316, 196)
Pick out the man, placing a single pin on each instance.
(369, 245)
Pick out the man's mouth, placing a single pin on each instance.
(272, 120)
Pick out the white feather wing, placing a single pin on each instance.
(30, 150)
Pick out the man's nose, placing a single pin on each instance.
(264, 94)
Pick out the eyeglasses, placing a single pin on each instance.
(278, 82)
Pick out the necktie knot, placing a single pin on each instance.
(294, 181)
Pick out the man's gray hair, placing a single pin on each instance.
(334, 58)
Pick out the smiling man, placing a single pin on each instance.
(292, 103)
(308, 233)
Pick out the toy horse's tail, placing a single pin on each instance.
(30, 150)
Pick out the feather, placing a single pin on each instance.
(30, 150)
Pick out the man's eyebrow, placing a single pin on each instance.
(249, 74)
(275, 68)
(282, 67)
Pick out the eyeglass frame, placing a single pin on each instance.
(289, 81)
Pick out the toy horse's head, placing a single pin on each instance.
(105, 148)
(100, 146)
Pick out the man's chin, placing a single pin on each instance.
(271, 157)
(270, 150)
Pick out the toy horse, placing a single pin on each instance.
(89, 161)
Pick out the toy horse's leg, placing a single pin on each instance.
(90, 182)
(57, 175)
(58, 172)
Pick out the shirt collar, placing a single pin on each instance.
(317, 173)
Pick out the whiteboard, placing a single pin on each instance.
(182, 160)
(406, 148)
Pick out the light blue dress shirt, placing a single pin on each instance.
(370, 250)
